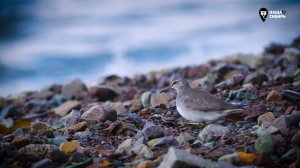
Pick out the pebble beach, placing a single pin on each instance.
(127, 122)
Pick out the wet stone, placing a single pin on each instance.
(256, 110)
(281, 123)
(134, 117)
(181, 158)
(267, 117)
(142, 150)
(66, 107)
(44, 94)
(58, 124)
(57, 100)
(184, 137)
(83, 135)
(163, 141)
(78, 127)
(124, 146)
(20, 141)
(69, 147)
(72, 118)
(140, 141)
(212, 131)
(57, 140)
(41, 128)
(99, 113)
(18, 132)
(72, 87)
(38, 150)
(154, 131)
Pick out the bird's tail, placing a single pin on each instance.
(236, 114)
(237, 110)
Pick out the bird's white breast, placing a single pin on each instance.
(198, 116)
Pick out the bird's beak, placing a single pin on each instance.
(166, 89)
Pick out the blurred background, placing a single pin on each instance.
(53, 41)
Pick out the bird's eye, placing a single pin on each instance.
(174, 83)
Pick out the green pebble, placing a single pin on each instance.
(145, 99)
(265, 143)
(57, 140)
(241, 95)
(288, 153)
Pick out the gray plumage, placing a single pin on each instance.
(197, 105)
(200, 100)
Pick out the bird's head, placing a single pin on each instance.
(177, 84)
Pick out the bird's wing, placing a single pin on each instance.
(202, 101)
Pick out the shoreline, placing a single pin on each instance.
(91, 82)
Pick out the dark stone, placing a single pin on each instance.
(58, 156)
(296, 140)
(153, 131)
(45, 163)
(291, 95)
(78, 157)
(221, 70)
(282, 124)
(296, 144)
(20, 141)
(275, 49)
(37, 151)
(256, 78)
(103, 93)
(294, 119)
(134, 117)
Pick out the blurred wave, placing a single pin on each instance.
(45, 42)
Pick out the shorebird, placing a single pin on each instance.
(200, 106)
